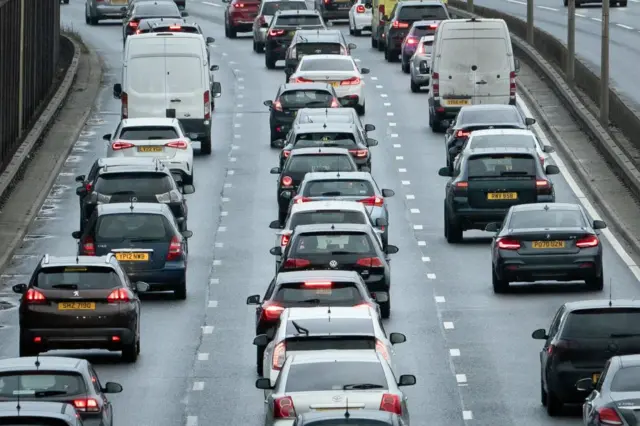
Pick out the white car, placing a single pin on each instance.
(162, 138)
(360, 17)
(338, 328)
(339, 71)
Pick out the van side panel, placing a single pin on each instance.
(184, 82)
(145, 86)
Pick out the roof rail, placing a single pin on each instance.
(109, 257)
(45, 259)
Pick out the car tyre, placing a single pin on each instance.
(452, 229)
(380, 46)
(434, 123)
(374, 42)
(566, 3)
(269, 62)
(543, 393)
(205, 146)
(351, 31)
(385, 309)
(499, 285)
(130, 352)
(623, 3)
(282, 217)
(596, 283)
(414, 87)
(260, 360)
(180, 292)
(361, 110)
(259, 47)
(357, 32)
(554, 405)
(405, 67)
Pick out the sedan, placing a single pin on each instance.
(339, 71)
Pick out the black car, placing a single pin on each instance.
(80, 302)
(487, 182)
(538, 242)
(305, 160)
(293, 97)
(338, 135)
(150, 183)
(333, 9)
(403, 15)
(58, 379)
(355, 417)
(147, 25)
(144, 10)
(481, 117)
(314, 42)
(582, 337)
(614, 397)
(344, 246)
(283, 27)
(291, 289)
(39, 412)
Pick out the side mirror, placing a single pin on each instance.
(352, 46)
(381, 222)
(444, 171)
(187, 234)
(548, 149)
(492, 227)
(275, 225)
(19, 288)
(184, 14)
(81, 191)
(275, 171)
(369, 127)
(80, 178)
(141, 286)
(111, 387)
(365, 169)
(253, 300)
(276, 251)
(117, 90)
(552, 170)
(188, 189)
(76, 234)
(391, 249)
(211, 40)
(585, 385)
(106, 137)
(261, 340)
(263, 383)
(268, 104)
(516, 65)
(216, 88)
(540, 334)
(397, 338)
(599, 224)
(386, 193)
(278, 143)
(372, 142)
(407, 380)
(529, 121)
(214, 68)
(364, 71)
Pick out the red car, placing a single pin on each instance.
(239, 16)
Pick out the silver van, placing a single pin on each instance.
(472, 63)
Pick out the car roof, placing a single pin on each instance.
(602, 303)
(57, 261)
(632, 360)
(301, 276)
(499, 150)
(338, 312)
(330, 126)
(333, 355)
(330, 227)
(46, 363)
(502, 132)
(328, 205)
(543, 206)
(325, 57)
(338, 176)
(147, 208)
(354, 415)
(44, 409)
(303, 86)
(321, 150)
(151, 121)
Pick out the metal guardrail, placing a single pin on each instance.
(29, 51)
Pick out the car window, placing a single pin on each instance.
(138, 133)
(40, 384)
(315, 64)
(327, 216)
(324, 292)
(270, 8)
(133, 227)
(160, 9)
(320, 163)
(322, 343)
(626, 380)
(298, 20)
(301, 98)
(600, 323)
(334, 139)
(498, 141)
(338, 188)
(77, 277)
(333, 376)
(318, 244)
(133, 183)
(546, 219)
(496, 165)
(488, 116)
(426, 12)
(176, 29)
(303, 49)
(423, 30)
(96, 380)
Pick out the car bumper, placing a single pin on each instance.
(242, 24)
(79, 338)
(562, 383)
(196, 128)
(276, 50)
(362, 21)
(421, 79)
(355, 93)
(376, 283)
(182, 162)
(161, 279)
(532, 268)
(109, 12)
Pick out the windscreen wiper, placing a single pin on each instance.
(65, 286)
(623, 335)
(363, 386)
(331, 194)
(514, 173)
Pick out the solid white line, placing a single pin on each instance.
(411, 197)
(237, 125)
(422, 243)
(431, 276)
(211, 4)
(228, 185)
(225, 199)
(426, 259)
(387, 104)
(378, 86)
(597, 19)
(213, 303)
(207, 329)
(454, 352)
(581, 15)
(214, 281)
(198, 386)
(217, 262)
(402, 170)
(548, 8)
(440, 299)
(406, 182)
(415, 211)
(222, 229)
(626, 27)
(418, 227)
(448, 325)
(467, 415)
(192, 420)
(461, 378)
(203, 356)
(399, 157)
(223, 53)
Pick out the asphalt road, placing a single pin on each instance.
(470, 349)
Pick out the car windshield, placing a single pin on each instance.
(301, 98)
(337, 139)
(77, 277)
(320, 293)
(626, 380)
(489, 116)
(303, 49)
(314, 64)
(334, 376)
(426, 12)
(340, 243)
(546, 219)
(338, 188)
(320, 163)
(145, 133)
(327, 216)
(133, 183)
(502, 141)
(600, 323)
(163, 9)
(270, 8)
(496, 165)
(298, 21)
(133, 227)
(335, 342)
(40, 384)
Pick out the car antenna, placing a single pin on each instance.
(610, 284)
(346, 413)
(299, 328)
(329, 312)
(37, 363)
(131, 206)
(546, 207)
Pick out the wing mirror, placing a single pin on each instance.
(585, 385)
(352, 46)
(19, 288)
(214, 68)
(141, 287)
(275, 225)
(111, 387)
(516, 65)
(493, 227)
(263, 383)
(369, 127)
(529, 121)
(551, 170)
(548, 149)
(187, 234)
(261, 340)
(76, 234)
(397, 338)
(278, 143)
(407, 380)
(216, 88)
(106, 137)
(211, 40)
(445, 172)
(386, 193)
(253, 300)
(275, 171)
(599, 224)
(381, 222)
(80, 178)
(391, 249)
(364, 71)
(540, 334)
(268, 104)
(184, 14)
(117, 90)
(372, 142)
(188, 189)
(276, 251)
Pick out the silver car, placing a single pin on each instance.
(268, 8)
(420, 62)
(326, 380)
(98, 10)
(331, 115)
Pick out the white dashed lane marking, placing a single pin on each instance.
(432, 277)
(392, 124)
(198, 386)
(411, 197)
(406, 182)
(378, 86)
(422, 243)
(214, 281)
(454, 352)
(219, 245)
(217, 262)
(417, 227)
(402, 170)
(461, 378)
(202, 356)
(222, 229)
(415, 211)
(395, 135)
(192, 420)
(207, 329)
(213, 303)
(467, 415)
(440, 299)
(399, 157)
(426, 259)
(448, 325)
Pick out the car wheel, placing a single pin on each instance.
(499, 285)
(595, 283)
(361, 110)
(387, 55)
(374, 42)
(259, 360)
(380, 46)
(130, 352)
(554, 405)
(226, 29)
(282, 217)
(351, 31)
(27, 349)
(255, 46)
(87, 20)
(205, 146)
(357, 32)
(385, 308)
(180, 292)
(260, 47)
(452, 229)
(543, 393)
(434, 123)
(269, 62)
(414, 87)
(232, 32)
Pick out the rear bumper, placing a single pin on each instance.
(79, 338)
(569, 267)
(376, 283)
(362, 21)
(473, 218)
(276, 50)
(562, 383)
(200, 128)
(165, 279)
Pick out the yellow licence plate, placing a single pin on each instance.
(76, 306)
(150, 148)
(335, 83)
(132, 257)
(595, 377)
(456, 102)
(547, 244)
(502, 196)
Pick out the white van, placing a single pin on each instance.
(472, 63)
(168, 75)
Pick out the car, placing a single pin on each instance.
(360, 17)
(332, 115)
(162, 138)
(164, 26)
(145, 239)
(98, 10)
(339, 71)
(149, 183)
(487, 182)
(147, 25)
(39, 413)
(331, 328)
(239, 16)
(538, 242)
(356, 417)
(403, 15)
(306, 212)
(339, 135)
(332, 10)
(349, 186)
(410, 43)
(330, 380)
(302, 288)
(80, 302)
(305, 160)
(345, 246)
(314, 42)
(578, 345)
(293, 97)
(144, 10)
(419, 64)
(613, 396)
(268, 9)
(481, 117)
(283, 27)
(59, 380)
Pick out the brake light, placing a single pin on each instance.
(119, 295)
(287, 181)
(391, 403)
(433, 26)
(238, 5)
(462, 134)
(175, 27)
(271, 312)
(318, 284)
(295, 263)
(372, 201)
(508, 244)
(398, 24)
(461, 186)
(177, 144)
(88, 186)
(86, 405)
(133, 24)
(138, 32)
(360, 9)
(512, 84)
(359, 153)
(435, 84)
(275, 33)
(326, 1)
(283, 407)
(279, 356)
(353, 81)
(299, 199)
(370, 262)
(558, 347)
(588, 242)
(261, 21)
(608, 416)
(302, 80)
(411, 40)
(542, 183)
(34, 296)
(286, 153)
(88, 247)
(206, 98)
(117, 146)
(335, 103)
(284, 240)
(382, 350)
(277, 106)
(175, 249)
(124, 111)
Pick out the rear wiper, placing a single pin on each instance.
(331, 194)
(66, 286)
(154, 138)
(513, 173)
(122, 193)
(50, 393)
(622, 335)
(142, 240)
(341, 252)
(311, 301)
(362, 386)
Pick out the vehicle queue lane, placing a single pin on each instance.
(498, 360)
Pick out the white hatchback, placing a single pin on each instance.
(360, 17)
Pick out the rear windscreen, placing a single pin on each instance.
(43, 420)
(320, 163)
(338, 188)
(164, 10)
(312, 64)
(334, 243)
(334, 342)
(626, 380)
(336, 139)
(546, 219)
(326, 216)
(489, 116)
(40, 384)
(500, 141)
(301, 98)
(176, 29)
(334, 376)
(77, 277)
(133, 183)
(423, 30)
(303, 49)
(145, 133)
(601, 323)
(133, 227)
(298, 20)
(423, 12)
(501, 165)
(332, 293)
(270, 8)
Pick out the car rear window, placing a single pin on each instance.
(32, 421)
(336, 342)
(500, 141)
(336, 139)
(338, 188)
(501, 165)
(270, 8)
(145, 133)
(301, 98)
(319, 293)
(546, 219)
(334, 243)
(489, 116)
(77, 277)
(334, 376)
(133, 183)
(601, 323)
(133, 227)
(417, 13)
(626, 380)
(326, 216)
(313, 64)
(331, 118)
(41, 383)
(298, 20)
(423, 30)
(303, 49)
(160, 9)
(176, 29)
(320, 163)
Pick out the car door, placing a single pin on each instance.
(184, 86)
(491, 78)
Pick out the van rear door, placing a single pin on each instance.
(145, 86)
(492, 77)
(185, 89)
(457, 83)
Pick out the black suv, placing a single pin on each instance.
(486, 182)
(293, 97)
(318, 42)
(582, 337)
(283, 27)
(149, 9)
(334, 9)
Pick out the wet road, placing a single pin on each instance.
(470, 349)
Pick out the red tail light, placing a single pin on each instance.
(335, 103)
(88, 247)
(286, 153)
(138, 32)
(588, 242)
(175, 249)
(411, 40)
(271, 312)
(370, 262)
(119, 295)
(283, 407)
(353, 81)
(238, 5)
(277, 105)
(461, 186)
(326, 1)
(175, 27)
(88, 186)
(508, 244)
(608, 416)
(284, 240)
(318, 284)
(262, 21)
(433, 26)
(462, 134)
(275, 33)
(299, 199)
(287, 181)
(381, 10)
(117, 146)
(360, 9)
(86, 405)
(206, 98)
(177, 144)
(382, 350)
(435, 84)
(302, 80)
(124, 111)
(512, 84)
(279, 356)
(295, 263)
(398, 24)
(373, 201)
(359, 153)
(541, 160)
(391, 403)
(34, 296)
(133, 24)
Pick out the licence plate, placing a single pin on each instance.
(547, 244)
(502, 196)
(118, 1)
(334, 83)
(595, 377)
(324, 291)
(76, 306)
(456, 102)
(150, 149)
(132, 257)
